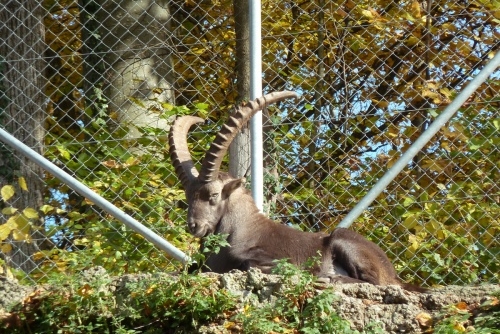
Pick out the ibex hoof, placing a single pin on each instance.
(323, 280)
(322, 283)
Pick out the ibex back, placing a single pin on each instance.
(219, 203)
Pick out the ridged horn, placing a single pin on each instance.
(179, 151)
(213, 158)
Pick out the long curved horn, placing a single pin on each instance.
(179, 151)
(213, 158)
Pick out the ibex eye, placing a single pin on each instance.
(213, 199)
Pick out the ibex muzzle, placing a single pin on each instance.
(219, 203)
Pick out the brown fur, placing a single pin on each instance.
(219, 203)
(256, 241)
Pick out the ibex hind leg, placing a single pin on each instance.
(361, 258)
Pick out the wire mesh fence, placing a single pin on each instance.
(94, 86)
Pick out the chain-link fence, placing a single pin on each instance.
(94, 85)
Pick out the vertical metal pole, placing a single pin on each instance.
(424, 138)
(256, 144)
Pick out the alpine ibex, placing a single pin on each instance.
(219, 203)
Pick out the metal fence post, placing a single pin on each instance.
(256, 143)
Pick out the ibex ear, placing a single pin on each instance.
(232, 186)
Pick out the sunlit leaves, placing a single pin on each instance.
(18, 225)
(414, 244)
(5, 248)
(22, 229)
(7, 192)
(382, 75)
(410, 222)
(30, 213)
(22, 183)
(5, 230)
(9, 210)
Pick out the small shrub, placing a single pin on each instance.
(298, 308)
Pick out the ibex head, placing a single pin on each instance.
(209, 204)
(208, 190)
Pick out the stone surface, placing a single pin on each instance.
(396, 310)
(11, 292)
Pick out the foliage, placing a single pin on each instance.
(372, 74)
(140, 184)
(192, 300)
(150, 306)
(184, 302)
(484, 318)
(94, 303)
(90, 302)
(211, 244)
(83, 235)
(19, 224)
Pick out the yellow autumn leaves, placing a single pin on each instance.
(18, 224)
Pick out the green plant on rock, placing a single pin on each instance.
(211, 244)
(152, 305)
(186, 301)
(299, 307)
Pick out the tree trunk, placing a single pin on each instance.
(22, 47)
(139, 72)
(239, 151)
